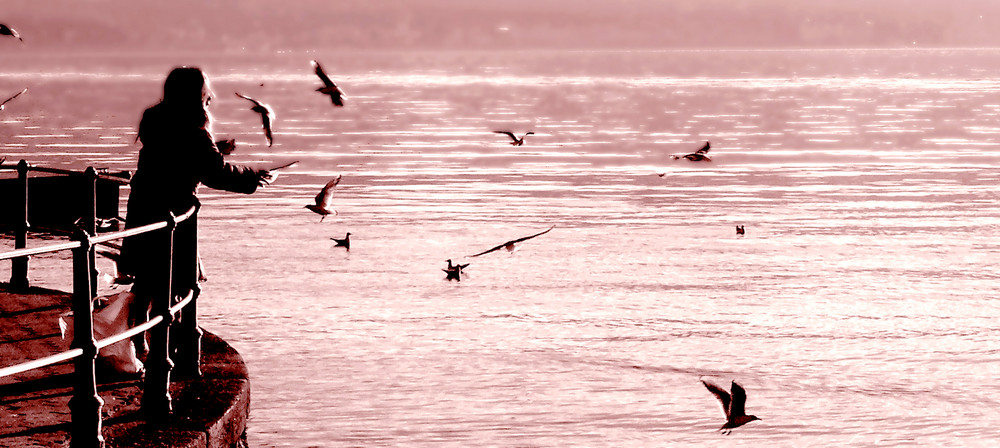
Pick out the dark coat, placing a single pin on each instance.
(177, 155)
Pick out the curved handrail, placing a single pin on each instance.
(40, 362)
(73, 353)
(97, 239)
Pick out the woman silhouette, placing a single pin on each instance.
(178, 153)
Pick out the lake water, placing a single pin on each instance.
(858, 309)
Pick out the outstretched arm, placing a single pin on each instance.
(215, 172)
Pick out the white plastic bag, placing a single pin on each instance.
(110, 318)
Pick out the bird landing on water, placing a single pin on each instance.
(697, 156)
(454, 271)
(733, 404)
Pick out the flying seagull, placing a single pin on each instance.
(8, 31)
(266, 116)
(698, 155)
(345, 243)
(329, 88)
(733, 404)
(510, 244)
(516, 141)
(324, 200)
(15, 96)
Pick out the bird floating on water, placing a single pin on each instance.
(455, 271)
(733, 404)
(740, 231)
(457, 266)
(8, 31)
(266, 116)
(15, 96)
(324, 200)
(510, 245)
(697, 156)
(329, 88)
(345, 243)
(516, 141)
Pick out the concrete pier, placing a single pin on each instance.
(210, 411)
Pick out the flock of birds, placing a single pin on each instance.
(733, 401)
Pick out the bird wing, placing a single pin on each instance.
(704, 149)
(501, 246)
(489, 250)
(266, 122)
(283, 166)
(15, 96)
(322, 74)
(11, 31)
(325, 196)
(337, 99)
(255, 102)
(507, 133)
(721, 394)
(530, 236)
(738, 405)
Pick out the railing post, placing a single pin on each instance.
(156, 403)
(188, 335)
(19, 266)
(90, 219)
(85, 406)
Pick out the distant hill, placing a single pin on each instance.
(271, 25)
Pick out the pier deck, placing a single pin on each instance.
(210, 411)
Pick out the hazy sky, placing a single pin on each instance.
(269, 25)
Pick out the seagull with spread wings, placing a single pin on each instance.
(698, 155)
(454, 271)
(733, 404)
(324, 200)
(8, 31)
(15, 96)
(510, 245)
(329, 88)
(515, 140)
(266, 116)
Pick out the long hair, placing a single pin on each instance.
(186, 93)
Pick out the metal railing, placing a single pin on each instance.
(85, 404)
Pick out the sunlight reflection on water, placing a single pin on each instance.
(856, 309)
